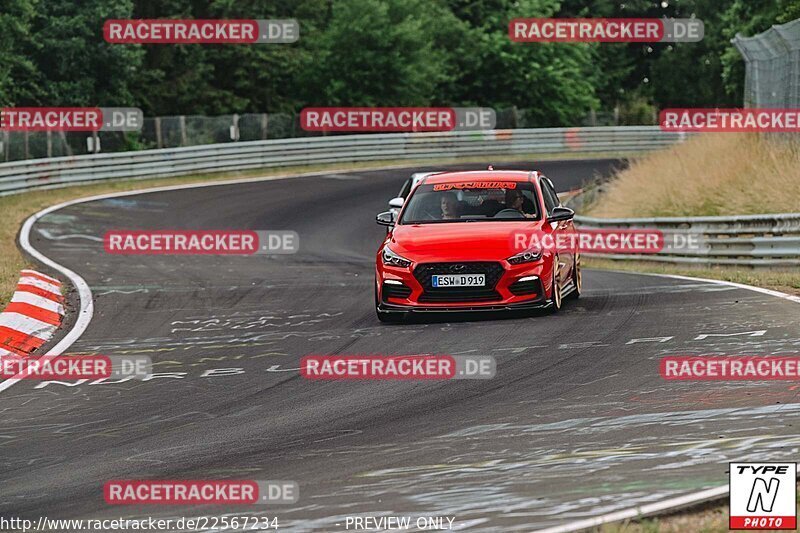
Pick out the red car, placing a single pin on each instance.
(475, 241)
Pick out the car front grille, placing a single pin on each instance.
(492, 271)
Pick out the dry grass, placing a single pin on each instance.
(710, 174)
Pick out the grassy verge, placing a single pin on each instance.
(710, 174)
(17, 208)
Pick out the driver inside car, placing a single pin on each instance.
(517, 201)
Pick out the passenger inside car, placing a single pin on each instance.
(450, 206)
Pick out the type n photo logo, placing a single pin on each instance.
(763, 496)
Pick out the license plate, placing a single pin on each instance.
(459, 280)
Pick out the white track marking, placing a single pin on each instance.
(769, 292)
(48, 235)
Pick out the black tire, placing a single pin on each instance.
(390, 318)
(555, 300)
(577, 279)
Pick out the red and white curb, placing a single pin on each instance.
(33, 316)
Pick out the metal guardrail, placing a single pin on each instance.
(22, 176)
(748, 240)
(757, 240)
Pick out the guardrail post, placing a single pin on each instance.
(235, 128)
(159, 142)
(182, 123)
(93, 143)
(64, 142)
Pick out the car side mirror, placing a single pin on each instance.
(385, 219)
(397, 203)
(561, 213)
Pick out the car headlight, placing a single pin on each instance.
(391, 258)
(528, 256)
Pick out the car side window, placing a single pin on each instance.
(552, 192)
(550, 199)
(406, 189)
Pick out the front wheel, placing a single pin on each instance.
(577, 279)
(386, 318)
(555, 298)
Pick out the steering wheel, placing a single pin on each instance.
(508, 213)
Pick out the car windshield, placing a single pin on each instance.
(471, 201)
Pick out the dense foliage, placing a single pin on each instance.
(376, 52)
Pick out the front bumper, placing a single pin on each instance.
(538, 303)
(409, 291)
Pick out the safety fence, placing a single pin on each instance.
(772, 66)
(21, 176)
(194, 130)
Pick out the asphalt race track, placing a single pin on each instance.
(576, 423)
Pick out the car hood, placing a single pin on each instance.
(460, 241)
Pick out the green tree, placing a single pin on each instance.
(18, 73)
(222, 79)
(376, 53)
(746, 17)
(554, 83)
(690, 74)
(76, 66)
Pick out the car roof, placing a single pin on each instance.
(505, 175)
(416, 177)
